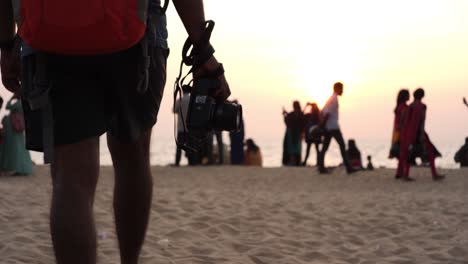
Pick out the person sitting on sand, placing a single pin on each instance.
(252, 155)
(354, 155)
(462, 155)
(414, 134)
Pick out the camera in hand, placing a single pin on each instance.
(206, 115)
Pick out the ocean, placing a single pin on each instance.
(163, 153)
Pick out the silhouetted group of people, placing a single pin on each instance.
(410, 139)
(15, 159)
(241, 151)
(318, 127)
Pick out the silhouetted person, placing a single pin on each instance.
(400, 111)
(253, 155)
(332, 129)
(237, 144)
(462, 155)
(312, 123)
(414, 136)
(96, 94)
(180, 109)
(292, 144)
(465, 102)
(370, 166)
(354, 155)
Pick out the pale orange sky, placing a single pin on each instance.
(277, 51)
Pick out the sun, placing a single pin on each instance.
(316, 75)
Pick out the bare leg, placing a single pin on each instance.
(132, 194)
(431, 157)
(75, 172)
(307, 154)
(317, 151)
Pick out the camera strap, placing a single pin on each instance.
(194, 55)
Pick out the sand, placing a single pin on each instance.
(254, 215)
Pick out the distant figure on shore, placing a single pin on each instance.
(370, 166)
(400, 112)
(180, 109)
(465, 102)
(15, 158)
(332, 129)
(292, 143)
(253, 155)
(414, 136)
(312, 130)
(219, 157)
(354, 155)
(462, 155)
(237, 144)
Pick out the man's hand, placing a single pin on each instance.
(10, 65)
(209, 66)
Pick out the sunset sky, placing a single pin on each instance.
(278, 51)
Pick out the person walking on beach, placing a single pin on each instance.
(462, 155)
(332, 129)
(15, 158)
(312, 122)
(117, 100)
(180, 109)
(292, 143)
(414, 136)
(400, 113)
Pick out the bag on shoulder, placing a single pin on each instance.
(84, 27)
(17, 121)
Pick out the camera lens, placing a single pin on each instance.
(227, 116)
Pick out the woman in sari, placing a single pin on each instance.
(400, 112)
(414, 136)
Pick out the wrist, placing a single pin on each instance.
(210, 65)
(211, 68)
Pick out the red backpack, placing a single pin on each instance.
(81, 27)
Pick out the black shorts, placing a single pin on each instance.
(92, 95)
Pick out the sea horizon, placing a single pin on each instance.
(162, 152)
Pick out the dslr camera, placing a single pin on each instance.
(205, 115)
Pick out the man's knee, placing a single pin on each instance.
(75, 167)
(138, 147)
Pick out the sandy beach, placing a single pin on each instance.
(254, 215)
